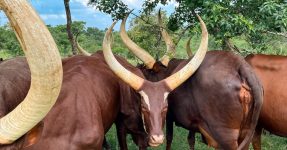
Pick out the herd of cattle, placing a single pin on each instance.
(216, 93)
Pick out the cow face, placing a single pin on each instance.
(154, 94)
(154, 109)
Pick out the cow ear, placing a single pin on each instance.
(34, 134)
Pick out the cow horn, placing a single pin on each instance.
(170, 47)
(188, 49)
(46, 70)
(147, 59)
(81, 50)
(130, 78)
(183, 74)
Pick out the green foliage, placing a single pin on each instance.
(116, 8)
(147, 35)
(274, 15)
(225, 19)
(9, 46)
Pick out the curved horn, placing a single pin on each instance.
(46, 70)
(130, 78)
(170, 47)
(183, 74)
(188, 49)
(147, 59)
(81, 50)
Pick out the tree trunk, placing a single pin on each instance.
(69, 27)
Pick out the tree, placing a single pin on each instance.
(225, 19)
(69, 27)
(9, 43)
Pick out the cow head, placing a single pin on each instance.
(45, 65)
(154, 94)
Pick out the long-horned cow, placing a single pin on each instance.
(222, 99)
(271, 70)
(18, 116)
(154, 104)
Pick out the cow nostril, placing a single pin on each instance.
(157, 138)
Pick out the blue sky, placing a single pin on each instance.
(53, 12)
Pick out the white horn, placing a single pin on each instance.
(130, 78)
(182, 75)
(143, 55)
(170, 47)
(46, 70)
(188, 49)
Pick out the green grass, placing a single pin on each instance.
(269, 142)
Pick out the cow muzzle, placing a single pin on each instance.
(155, 140)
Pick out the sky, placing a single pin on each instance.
(53, 12)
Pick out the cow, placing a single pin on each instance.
(22, 111)
(153, 105)
(224, 105)
(129, 119)
(222, 99)
(271, 70)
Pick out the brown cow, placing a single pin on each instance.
(88, 104)
(271, 70)
(45, 63)
(228, 110)
(191, 109)
(154, 104)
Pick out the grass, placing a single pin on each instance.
(269, 142)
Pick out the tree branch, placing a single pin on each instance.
(276, 33)
(181, 34)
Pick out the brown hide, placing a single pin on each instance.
(271, 70)
(222, 100)
(129, 121)
(14, 85)
(211, 101)
(216, 100)
(87, 106)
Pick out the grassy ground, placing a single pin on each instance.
(269, 142)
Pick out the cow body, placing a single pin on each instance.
(222, 100)
(15, 82)
(271, 70)
(87, 106)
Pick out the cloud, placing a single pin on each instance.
(83, 2)
(53, 16)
